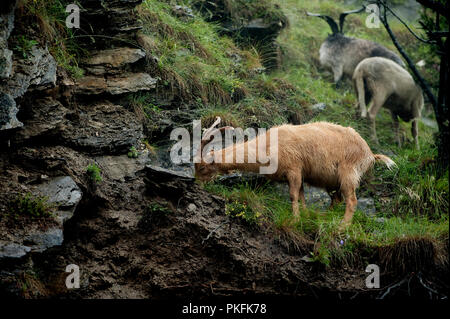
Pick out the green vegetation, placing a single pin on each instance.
(268, 207)
(154, 215)
(240, 11)
(193, 60)
(133, 153)
(28, 205)
(411, 201)
(94, 173)
(44, 23)
(24, 46)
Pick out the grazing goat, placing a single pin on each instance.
(390, 86)
(321, 154)
(342, 54)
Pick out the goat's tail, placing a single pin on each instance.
(386, 160)
(358, 82)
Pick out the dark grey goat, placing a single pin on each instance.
(342, 54)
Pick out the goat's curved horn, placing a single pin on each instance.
(209, 130)
(329, 20)
(344, 14)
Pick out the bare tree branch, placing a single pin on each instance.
(422, 82)
(406, 25)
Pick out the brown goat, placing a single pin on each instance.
(321, 154)
(390, 86)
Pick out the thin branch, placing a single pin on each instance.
(422, 82)
(406, 25)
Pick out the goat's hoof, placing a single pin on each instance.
(343, 226)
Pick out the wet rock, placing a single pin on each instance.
(191, 207)
(319, 107)
(37, 72)
(13, 250)
(367, 205)
(266, 32)
(317, 197)
(40, 241)
(44, 117)
(61, 192)
(126, 83)
(112, 61)
(6, 27)
(116, 19)
(248, 27)
(160, 173)
(103, 129)
(121, 168)
(65, 194)
(8, 112)
(429, 122)
(182, 12)
(161, 158)
(5, 63)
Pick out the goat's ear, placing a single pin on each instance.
(334, 27)
(344, 14)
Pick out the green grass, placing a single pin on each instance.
(266, 206)
(28, 205)
(197, 64)
(192, 58)
(44, 23)
(94, 173)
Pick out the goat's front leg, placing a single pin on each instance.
(373, 130)
(295, 184)
(338, 71)
(302, 196)
(350, 206)
(378, 100)
(396, 129)
(415, 131)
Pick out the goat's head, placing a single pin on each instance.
(207, 170)
(333, 25)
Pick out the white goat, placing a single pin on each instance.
(390, 86)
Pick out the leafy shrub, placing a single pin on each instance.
(31, 206)
(154, 215)
(94, 173)
(133, 153)
(24, 46)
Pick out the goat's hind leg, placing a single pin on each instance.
(349, 182)
(396, 129)
(338, 71)
(295, 185)
(377, 103)
(415, 131)
(336, 197)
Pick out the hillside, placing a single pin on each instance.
(85, 122)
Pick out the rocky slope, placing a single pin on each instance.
(144, 231)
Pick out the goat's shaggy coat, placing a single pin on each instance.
(321, 154)
(390, 86)
(342, 54)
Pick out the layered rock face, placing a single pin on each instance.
(144, 231)
(40, 107)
